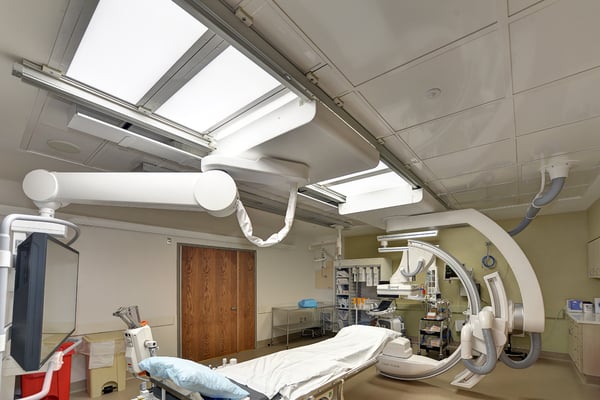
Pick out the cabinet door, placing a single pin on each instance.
(574, 345)
(593, 248)
(590, 349)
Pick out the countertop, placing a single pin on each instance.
(585, 318)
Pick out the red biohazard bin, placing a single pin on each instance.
(60, 389)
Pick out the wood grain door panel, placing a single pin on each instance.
(217, 302)
(246, 300)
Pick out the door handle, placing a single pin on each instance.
(234, 308)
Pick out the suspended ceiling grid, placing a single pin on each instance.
(474, 96)
(518, 87)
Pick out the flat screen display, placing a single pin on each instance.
(449, 273)
(45, 299)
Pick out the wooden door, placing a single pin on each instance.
(246, 316)
(217, 302)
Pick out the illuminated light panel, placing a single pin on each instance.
(369, 184)
(130, 44)
(253, 115)
(226, 85)
(379, 167)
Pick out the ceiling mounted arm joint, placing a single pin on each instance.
(220, 19)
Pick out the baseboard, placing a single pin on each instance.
(550, 355)
(78, 386)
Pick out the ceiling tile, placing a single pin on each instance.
(566, 193)
(339, 29)
(554, 42)
(489, 193)
(397, 146)
(483, 158)
(114, 158)
(514, 6)
(468, 76)
(578, 161)
(561, 140)
(356, 105)
(270, 22)
(331, 81)
(485, 124)
(557, 103)
(42, 134)
(478, 180)
(479, 199)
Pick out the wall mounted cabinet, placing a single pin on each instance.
(593, 248)
(584, 346)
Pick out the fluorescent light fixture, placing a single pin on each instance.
(130, 44)
(381, 166)
(392, 249)
(226, 85)
(369, 184)
(408, 235)
(253, 115)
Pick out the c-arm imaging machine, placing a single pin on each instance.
(485, 332)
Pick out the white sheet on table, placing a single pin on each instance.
(300, 370)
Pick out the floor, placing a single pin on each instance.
(546, 379)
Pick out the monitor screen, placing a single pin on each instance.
(45, 299)
(449, 273)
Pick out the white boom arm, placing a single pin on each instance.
(213, 191)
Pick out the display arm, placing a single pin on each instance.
(213, 191)
(5, 264)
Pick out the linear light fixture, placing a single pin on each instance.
(392, 249)
(407, 235)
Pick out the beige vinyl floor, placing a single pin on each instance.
(547, 379)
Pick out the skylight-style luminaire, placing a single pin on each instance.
(381, 166)
(130, 44)
(369, 184)
(360, 183)
(253, 115)
(227, 84)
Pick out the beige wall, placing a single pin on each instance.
(556, 247)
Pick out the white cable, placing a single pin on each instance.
(539, 194)
(246, 224)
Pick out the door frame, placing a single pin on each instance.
(180, 245)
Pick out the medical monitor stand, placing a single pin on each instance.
(45, 299)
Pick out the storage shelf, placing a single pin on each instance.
(434, 336)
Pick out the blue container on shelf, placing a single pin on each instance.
(307, 303)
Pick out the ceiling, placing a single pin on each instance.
(469, 98)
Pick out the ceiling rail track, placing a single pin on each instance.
(218, 18)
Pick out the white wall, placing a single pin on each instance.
(125, 264)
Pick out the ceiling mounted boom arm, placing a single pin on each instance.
(214, 191)
(220, 19)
